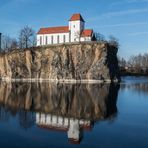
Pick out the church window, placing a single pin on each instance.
(64, 38)
(58, 39)
(51, 39)
(40, 40)
(46, 40)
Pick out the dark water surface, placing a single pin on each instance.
(66, 115)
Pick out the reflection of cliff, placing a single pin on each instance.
(79, 104)
(81, 101)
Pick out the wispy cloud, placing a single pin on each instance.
(126, 12)
(119, 13)
(13, 4)
(123, 25)
(136, 1)
(127, 2)
(8, 9)
(137, 33)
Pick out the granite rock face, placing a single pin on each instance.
(81, 61)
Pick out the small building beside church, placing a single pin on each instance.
(74, 32)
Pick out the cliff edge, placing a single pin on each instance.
(92, 61)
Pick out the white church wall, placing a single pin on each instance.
(82, 39)
(76, 27)
(46, 39)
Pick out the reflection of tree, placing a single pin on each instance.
(112, 100)
(4, 114)
(139, 87)
(26, 119)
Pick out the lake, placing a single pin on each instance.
(74, 115)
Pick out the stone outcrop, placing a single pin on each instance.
(81, 61)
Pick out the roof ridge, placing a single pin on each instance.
(52, 30)
(87, 33)
(76, 16)
(53, 27)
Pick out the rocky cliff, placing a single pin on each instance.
(81, 61)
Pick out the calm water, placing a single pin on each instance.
(66, 115)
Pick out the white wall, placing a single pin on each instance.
(85, 39)
(75, 28)
(46, 39)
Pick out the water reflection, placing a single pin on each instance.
(139, 84)
(140, 87)
(66, 107)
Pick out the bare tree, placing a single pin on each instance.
(21, 40)
(122, 62)
(99, 37)
(14, 44)
(139, 63)
(8, 43)
(26, 37)
(114, 41)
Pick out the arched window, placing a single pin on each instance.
(40, 40)
(64, 38)
(58, 39)
(46, 40)
(51, 39)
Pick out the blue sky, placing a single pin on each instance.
(125, 19)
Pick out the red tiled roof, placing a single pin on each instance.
(87, 33)
(52, 30)
(74, 141)
(76, 17)
(55, 128)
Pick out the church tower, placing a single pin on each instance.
(76, 26)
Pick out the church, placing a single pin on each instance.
(74, 32)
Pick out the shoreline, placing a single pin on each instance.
(70, 81)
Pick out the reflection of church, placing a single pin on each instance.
(72, 126)
(66, 107)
